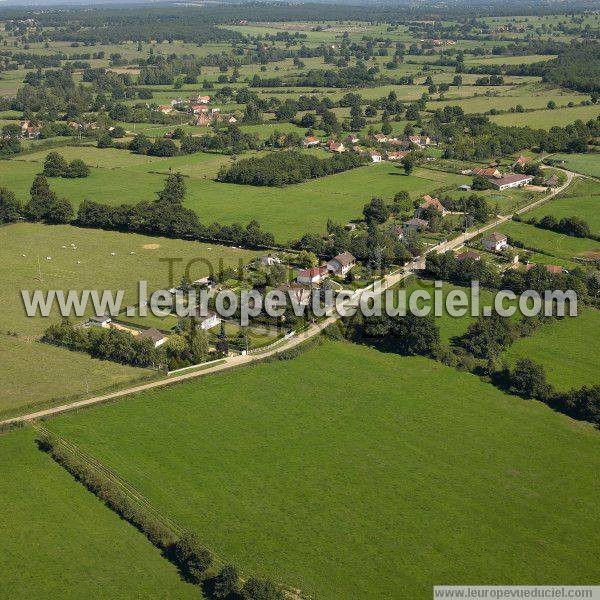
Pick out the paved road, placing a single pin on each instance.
(235, 361)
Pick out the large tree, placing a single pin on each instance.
(10, 208)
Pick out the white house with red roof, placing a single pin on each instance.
(312, 276)
(310, 140)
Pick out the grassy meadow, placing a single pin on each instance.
(454, 479)
(581, 199)
(557, 248)
(35, 374)
(588, 164)
(118, 176)
(91, 266)
(565, 370)
(545, 119)
(61, 542)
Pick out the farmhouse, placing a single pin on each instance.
(395, 155)
(200, 99)
(490, 172)
(551, 181)
(495, 242)
(468, 255)
(165, 110)
(333, 146)
(154, 335)
(375, 157)
(204, 120)
(427, 202)
(30, 131)
(205, 321)
(310, 141)
(420, 141)
(511, 181)
(464, 187)
(341, 263)
(312, 275)
(269, 260)
(100, 321)
(415, 224)
(352, 139)
(380, 138)
(198, 108)
(554, 269)
(521, 161)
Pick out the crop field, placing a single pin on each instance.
(558, 248)
(304, 500)
(565, 370)
(581, 199)
(61, 542)
(545, 119)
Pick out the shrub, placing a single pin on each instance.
(191, 556)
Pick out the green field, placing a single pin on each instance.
(581, 199)
(405, 473)
(534, 96)
(98, 270)
(121, 177)
(571, 369)
(588, 164)
(560, 249)
(36, 374)
(59, 541)
(545, 119)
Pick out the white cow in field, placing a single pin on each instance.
(113, 253)
(48, 258)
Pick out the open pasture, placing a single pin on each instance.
(61, 542)
(101, 260)
(581, 199)
(369, 460)
(118, 177)
(558, 248)
(545, 119)
(565, 369)
(588, 164)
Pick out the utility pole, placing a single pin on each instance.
(40, 277)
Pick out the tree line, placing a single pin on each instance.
(283, 168)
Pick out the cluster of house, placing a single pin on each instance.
(206, 321)
(352, 141)
(438, 42)
(197, 106)
(502, 181)
(309, 279)
(29, 131)
(417, 223)
(497, 242)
